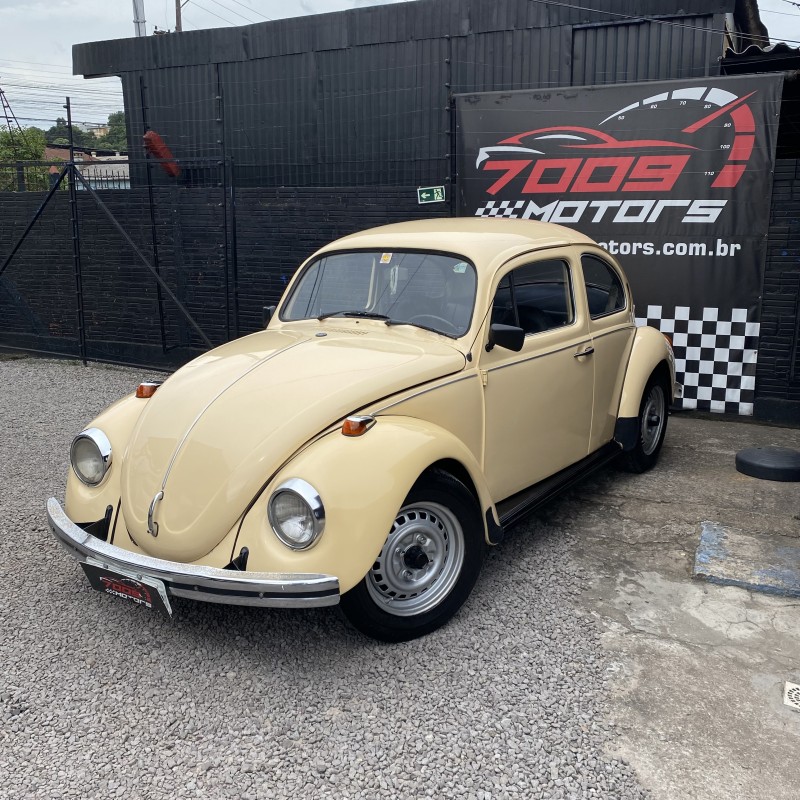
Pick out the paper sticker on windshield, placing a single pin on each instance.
(460, 268)
(386, 258)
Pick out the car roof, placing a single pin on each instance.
(481, 240)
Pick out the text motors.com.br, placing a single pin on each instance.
(719, 248)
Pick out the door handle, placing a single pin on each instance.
(587, 352)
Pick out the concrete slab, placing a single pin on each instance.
(697, 670)
(762, 562)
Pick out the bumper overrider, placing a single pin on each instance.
(209, 584)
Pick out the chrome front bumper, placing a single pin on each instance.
(209, 584)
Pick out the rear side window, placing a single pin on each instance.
(535, 297)
(604, 289)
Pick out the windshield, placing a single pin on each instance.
(430, 290)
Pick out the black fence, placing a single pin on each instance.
(156, 274)
(778, 374)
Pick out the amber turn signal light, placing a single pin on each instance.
(147, 389)
(357, 426)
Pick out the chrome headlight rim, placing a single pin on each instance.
(310, 497)
(103, 445)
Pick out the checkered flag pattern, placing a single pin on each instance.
(715, 356)
(501, 208)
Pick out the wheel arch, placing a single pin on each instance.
(493, 531)
(373, 489)
(651, 354)
(454, 467)
(626, 431)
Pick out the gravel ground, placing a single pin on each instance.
(99, 699)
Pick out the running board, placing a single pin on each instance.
(514, 508)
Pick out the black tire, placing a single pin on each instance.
(651, 428)
(427, 567)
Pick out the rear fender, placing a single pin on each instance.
(362, 482)
(650, 352)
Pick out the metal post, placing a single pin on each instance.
(76, 237)
(452, 133)
(234, 251)
(138, 18)
(221, 166)
(20, 178)
(153, 232)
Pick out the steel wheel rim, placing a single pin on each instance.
(653, 416)
(403, 589)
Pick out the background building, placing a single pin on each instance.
(288, 133)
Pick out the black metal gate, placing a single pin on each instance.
(146, 274)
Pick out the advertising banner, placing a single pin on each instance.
(672, 178)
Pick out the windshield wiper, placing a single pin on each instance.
(345, 313)
(417, 325)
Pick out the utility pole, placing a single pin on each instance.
(138, 18)
(178, 24)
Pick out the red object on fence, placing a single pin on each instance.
(157, 148)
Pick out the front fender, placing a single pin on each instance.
(362, 482)
(88, 503)
(650, 348)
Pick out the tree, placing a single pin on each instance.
(18, 146)
(117, 136)
(61, 131)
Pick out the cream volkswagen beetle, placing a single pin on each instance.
(420, 387)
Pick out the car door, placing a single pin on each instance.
(612, 327)
(538, 401)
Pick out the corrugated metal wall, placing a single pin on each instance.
(362, 97)
(646, 51)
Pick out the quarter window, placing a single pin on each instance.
(535, 297)
(604, 289)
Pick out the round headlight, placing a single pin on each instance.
(90, 455)
(296, 514)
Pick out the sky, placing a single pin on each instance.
(36, 38)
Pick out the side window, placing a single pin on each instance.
(604, 289)
(535, 297)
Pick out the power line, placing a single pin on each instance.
(642, 18)
(71, 90)
(781, 13)
(233, 11)
(38, 63)
(208, 11)
(253, 10)
(55, 119)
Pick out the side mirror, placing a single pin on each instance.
(266, 314)
(507, 336)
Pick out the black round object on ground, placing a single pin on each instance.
(769, 463)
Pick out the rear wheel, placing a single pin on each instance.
(427, 566)
(652, 428)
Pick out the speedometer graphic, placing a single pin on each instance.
(716, 109)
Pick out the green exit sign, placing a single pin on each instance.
(431, 194)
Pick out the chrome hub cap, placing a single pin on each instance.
(420, 562)
(653, 416)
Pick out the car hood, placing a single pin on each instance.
(217, 430)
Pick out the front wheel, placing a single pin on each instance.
(652, 428)
(427, 566)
